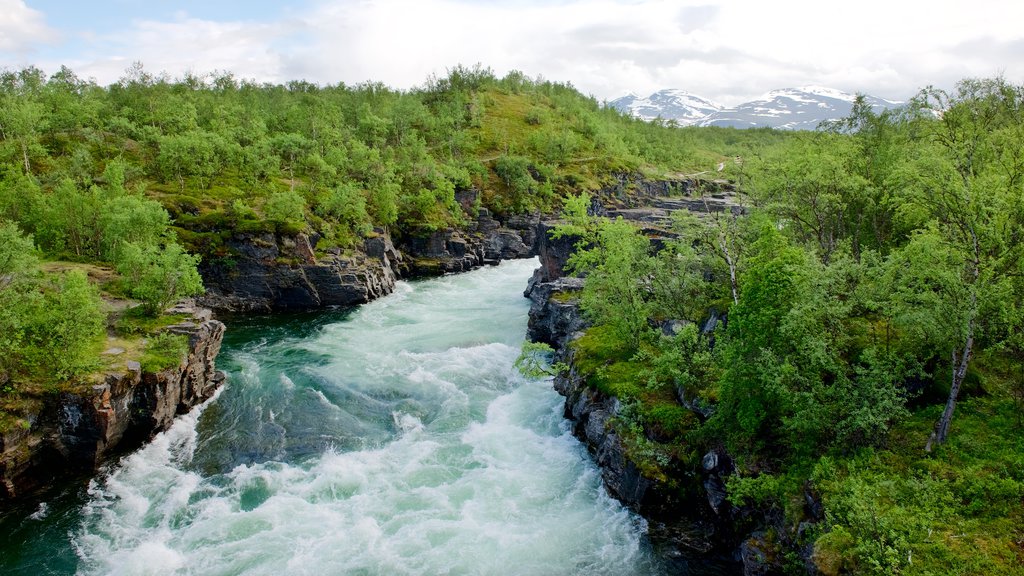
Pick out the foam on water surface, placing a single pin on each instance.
(397, 439)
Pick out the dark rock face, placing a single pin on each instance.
(267, 272)
(554, 252)
(75, 432)
(635, 189)
(486, 240)
(591, 413)
(283, 273)
(757, 556)
(690, 527)
(554, 311)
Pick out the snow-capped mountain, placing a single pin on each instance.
(669, 104)
(801, 108)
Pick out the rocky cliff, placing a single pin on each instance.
(689, 522)
(484, 240)
(690, 519)
(271, 272)
(265, 272)
(74, 432)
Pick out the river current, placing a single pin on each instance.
(396, 438)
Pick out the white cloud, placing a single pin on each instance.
(186, 45)
(729, 50)
(22, 29)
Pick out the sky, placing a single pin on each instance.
(727, 50)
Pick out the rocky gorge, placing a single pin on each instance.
(76, 431)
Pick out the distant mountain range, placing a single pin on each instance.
(801, 108)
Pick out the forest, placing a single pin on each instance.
(871, 285)
(871, 351)
(132, 184)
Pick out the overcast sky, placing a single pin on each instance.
(729, 51)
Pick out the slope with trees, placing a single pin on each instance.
(876, 288)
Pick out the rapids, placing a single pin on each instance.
(396, 438)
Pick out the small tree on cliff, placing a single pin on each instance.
(616, 260)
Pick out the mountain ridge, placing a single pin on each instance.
(800, 108)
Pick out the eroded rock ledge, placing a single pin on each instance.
(267, 272)
(75, 432)
(690, 521)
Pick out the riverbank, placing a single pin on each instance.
(390, 438)
(689, 519)
(75, 430)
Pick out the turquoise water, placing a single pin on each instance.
(393, 439)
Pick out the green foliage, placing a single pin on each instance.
(534, 361)
(130, 219)
(286, 210)
(346, 205)
(17, 255)
(159, 276)
(187, 155)
(525, 192)
(576, 220)
(616, 266)
(50, 327)
(164, 350)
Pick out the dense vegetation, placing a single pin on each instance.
(872, 289)
(872, 354)
(136, 181)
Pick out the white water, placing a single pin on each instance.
(398, 440)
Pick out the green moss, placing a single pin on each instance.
(598, 347)
(164, 351)
(565, 296)
(428, 266)
(136, 322)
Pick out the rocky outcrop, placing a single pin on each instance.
(592, 415)
(554, 311)
(74, 432)
(484, 240)
(688, 514)
(634, 189)
(266, 271)
(269, 272)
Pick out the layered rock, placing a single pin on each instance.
(75, 432)
(266, 271)
(269, 272)
(484, 240)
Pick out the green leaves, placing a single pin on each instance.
(18, 257)
(534, 361)
(159, 276)
(50, 327)
(617, 263)
(287, 210)
(187, 155)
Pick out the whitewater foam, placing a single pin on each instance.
(463, 466)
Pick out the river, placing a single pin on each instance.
(395, 438)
